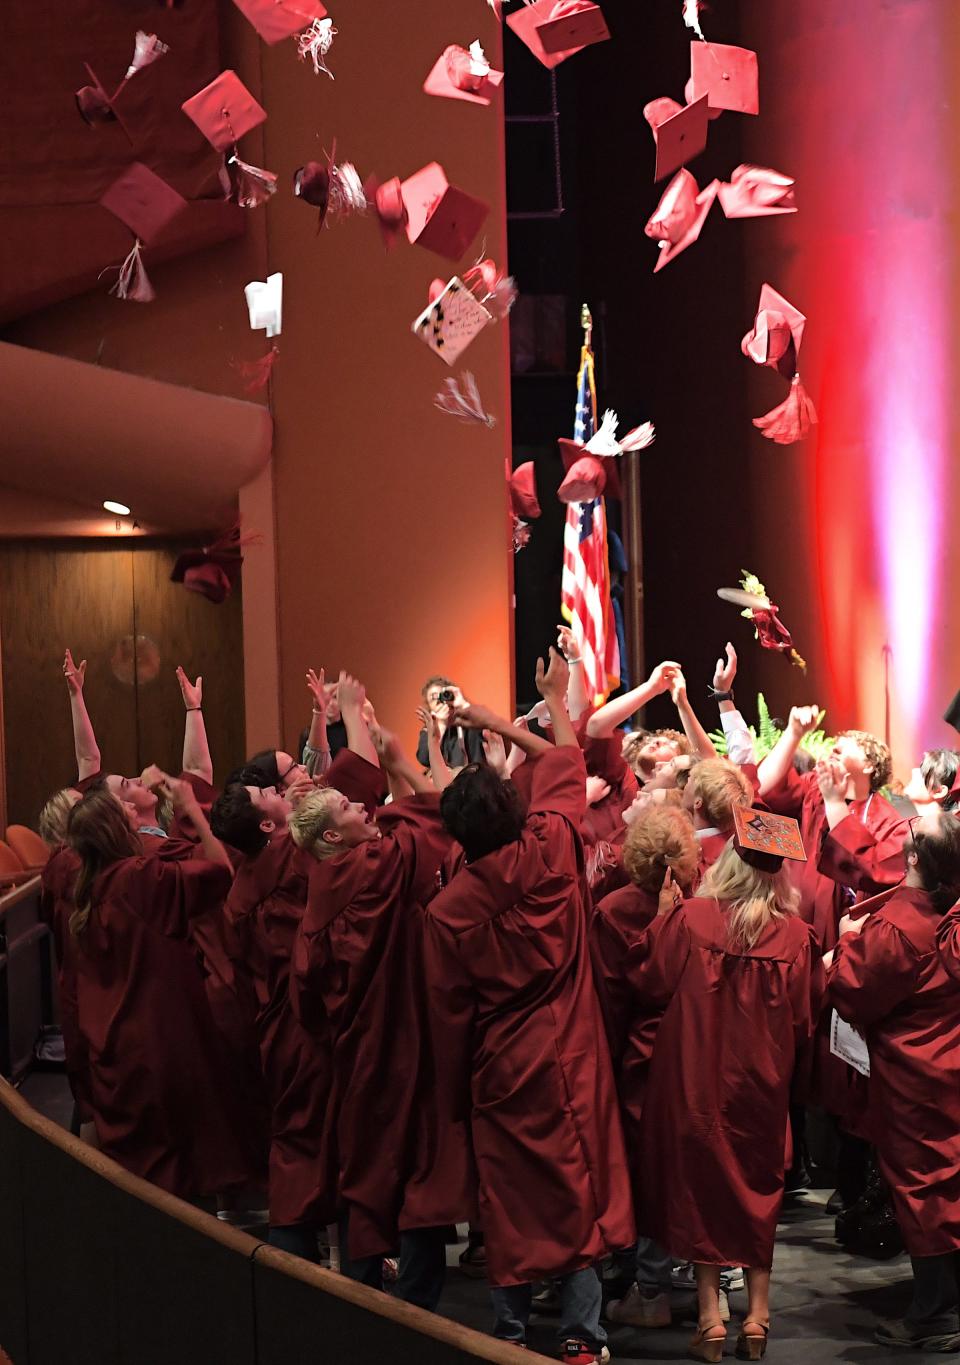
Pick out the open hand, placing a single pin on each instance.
(74, 673)
(725, 671)
(831, 779)
(496, 752)
(192, 693)
(552, 682)
(352, 693)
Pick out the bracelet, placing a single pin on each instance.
(722, 696)
(194, 708)
(574, 661)
(317, 711)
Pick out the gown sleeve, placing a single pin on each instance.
(872, 972)
(853, 856)
(948, 942)
(358, 779)
(655, 963)
(558, 784)
(452, 1010)
(787, 797)
(167, 895)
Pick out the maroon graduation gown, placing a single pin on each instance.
(156, 1063)
(57, 880)
(714, 1121)
(891, 983)
(522, 1056)
(711, 848)
(357, 978)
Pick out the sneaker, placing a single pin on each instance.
(640, 1309)
(683, 1276)
(576, 1352)
(732, 1278)
(899, 1334)
(473, 1261)
(390, 1270)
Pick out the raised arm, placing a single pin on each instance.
(84, 740)
(832, 781)
(694, 731)
(476, 717)
(739, 740)
(441, 773)
(319, 760)
(606, 718)
(577, 699)
(552, 686)
(185, 805)
(403, 776)
(779, 761)
(352, 696)
(196, 749)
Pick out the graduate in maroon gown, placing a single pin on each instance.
(736, 976)
(521, 1053)
(356, 983)
(263, 912)
(660, 837)
(890, 982)
(156, 1071)
(712, 789)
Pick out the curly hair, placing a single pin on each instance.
(481, 811)
(634, 742)
(719, 785)
(661, 837)
(877, 755)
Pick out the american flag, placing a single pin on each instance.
(585, 586)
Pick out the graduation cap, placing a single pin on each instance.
(679, 132)
(463, 74)
(265, 303)
(224, 111)
(554, 30)
(757, 192)
(275, 20)
(333, 189)
(764, 840)
(728, 76)
(214, 571)
(757, 607)
(145, 204)
(440, 216)
(452, 319)
(95, 105)
(386, 200)
(591, 468)
(523, 490)
(679, 217)
(774, 340)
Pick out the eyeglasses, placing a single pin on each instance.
(282, 777)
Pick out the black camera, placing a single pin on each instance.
(446, 697)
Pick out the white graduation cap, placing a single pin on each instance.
(265, 303)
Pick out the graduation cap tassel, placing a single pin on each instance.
(691, 17)
(133, 283)
(791, 420)
(252, 185)
(315, 42)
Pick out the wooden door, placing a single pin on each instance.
(114, 605)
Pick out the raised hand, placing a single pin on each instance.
(179, 793)
(387, 746)
(192, 693)
(566, 644)
(74, 673)
(552, 682)
(352, 693)
(597, 789)
(474, 716)
(725, 671)
(661, 679)
(670, 894)
(678, 688)
(831, 778)
(496, 752)
(803, 720)
(321, 691)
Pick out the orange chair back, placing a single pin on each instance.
(9, 862)
(28, 846)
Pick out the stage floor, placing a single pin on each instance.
(824, 1302)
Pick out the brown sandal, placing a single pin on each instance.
(752, 1345)
(708, 1343)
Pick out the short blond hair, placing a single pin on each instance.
(661, 837)
(312, 817)
(719, 785)
(52, 823)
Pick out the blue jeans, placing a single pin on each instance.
(423, 1266)
(580, 1299)
(300, 1239)
(653, 1267)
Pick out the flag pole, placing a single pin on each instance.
(586, 322)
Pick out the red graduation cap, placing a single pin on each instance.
(587, 476)
(214, 571)
(763, 839)
(679, 217)
(776, 334)
(387, 203)
(554, 30)
(459, 74)
(275, 20)
(440, 216)
(144, 202)
(728, 76)
(757, 192)
(523, 491)
(224, 110)
(679, 131)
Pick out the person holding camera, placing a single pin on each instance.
(458, 745)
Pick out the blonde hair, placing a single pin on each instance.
(312, 817)
(660, 837)
(720, 785)
(52, 823)
(755, 898)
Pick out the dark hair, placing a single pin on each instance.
(939, 769)
(438, 680)
(938, 860)
(235, 819)
(480, 811)
(265, 764)
(99, 832)
(251, 775)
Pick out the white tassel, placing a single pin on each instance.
(479, 66)
(604, 441)
(253, 185)
(463, 402)
(521, 534)
(691, 17)
(497, 7)
(346, 191)
(133, 283)
(314, 42)
(639, 438)
(147, 48)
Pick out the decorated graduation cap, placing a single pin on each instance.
(452, 319)
(591, 468)
(305, 20)
(224, 111)
(145, 204)
(757, 192)
(440, 216)
(554, 30)
(764, 840)
(757, 607)
(461, 73)
(774, 340)
(214, 571)
(728, 76)
(678, 219)
(679, 132)
(95, 105)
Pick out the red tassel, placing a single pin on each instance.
(792, 420)
(256, 374)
